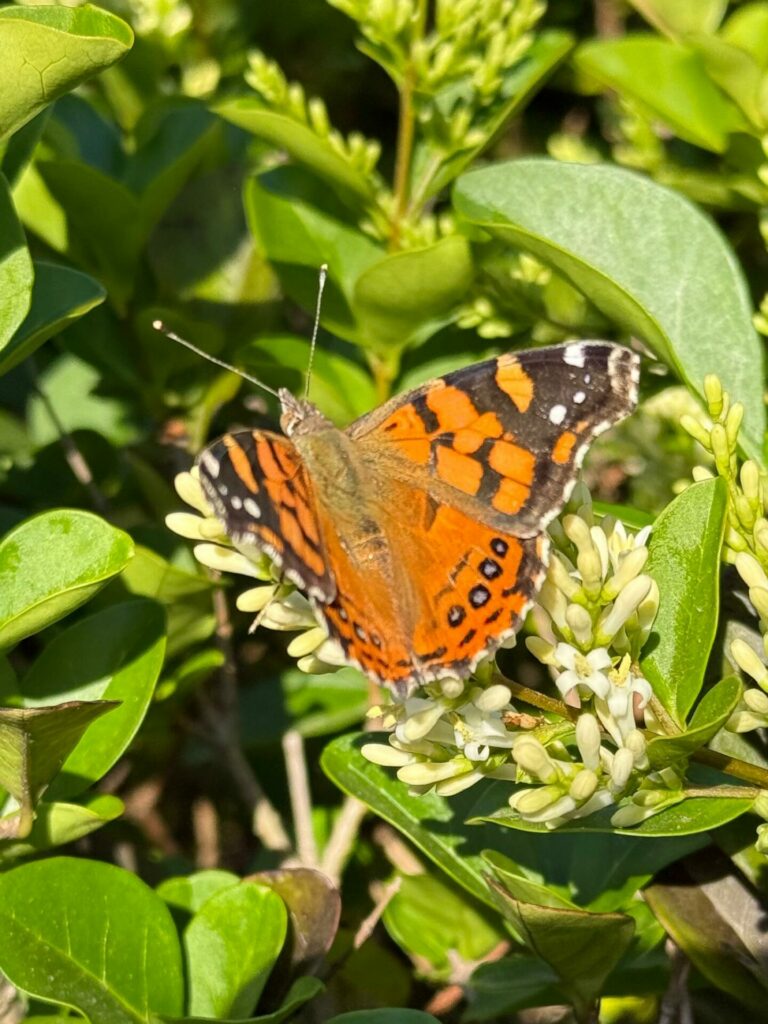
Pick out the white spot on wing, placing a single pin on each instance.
(579, 397)
(574, 355)
(236, 503)
(211, 463)
(557, 414)
(252, 508)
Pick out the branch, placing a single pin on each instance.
(342, 838)
(301, 800)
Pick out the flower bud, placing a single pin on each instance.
(583, 785)
(214, 556)
(696, 430)
(494, 698)
(760, 806)
(307, 642)
(713, 392)
(256, 598)
(533, 758)
(451, 688)
(533, 801)
(621, 769)
(190, 490)
(588, 739)
(625, 604)
(630, 566)
(561, 578)
(756, 701)
(580, 621)
(427, 773)
(422, 722)
(749, 662)
(540, 649)
(386, 756)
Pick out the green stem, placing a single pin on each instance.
(406, 130)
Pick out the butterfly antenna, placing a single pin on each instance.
(313, 343)
(160, 326)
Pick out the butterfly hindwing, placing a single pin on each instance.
(505, 437)
(260, 490)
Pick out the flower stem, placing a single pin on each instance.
(406, 130)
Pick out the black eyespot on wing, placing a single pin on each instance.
(490, 568)
(456, 615)
(499, 546)
(479, 595)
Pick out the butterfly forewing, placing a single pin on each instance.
(260, 490)
(505, 437)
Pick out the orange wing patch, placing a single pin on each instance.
(561, 453)
(472, 589)
(512, 379)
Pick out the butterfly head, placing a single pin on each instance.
(298, 415)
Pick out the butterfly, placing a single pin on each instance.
(419, 532)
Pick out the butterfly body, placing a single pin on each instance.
(419, 531)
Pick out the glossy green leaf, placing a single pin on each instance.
(59, 823)
(340, 388)
(737, 73)
(641, 254)
(91, 936)
(684, 560)
(189, 892)
(433, 824)
(16, 270)
(46, 51)
(60, 295)
(433, 923)
(747, 28)
(679, 17)
(669, 81)
(711, 714)
(314, 908)
(231, 945)
(718, 921)
(53, 563)
(520, 83)
(34, 743)
(407, 296)
(116, 655)
(496, 990)
(148, 574)
(99, 209)
(300, 141)
(18, 149)
(301, 992)
(688, 818)
(298, 229)
(582, 948)
(560, 866)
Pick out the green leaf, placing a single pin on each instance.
(737, 73)
(231, 945)
(340, 388)
(520, 83)
(91, 936)
(430, 822)
(18, 150)
(115, 654)
(407, 296)
(669, 82)
(718, 921)
(46, 51)
(582, 948)
(16, 271)
(431, 922)
(711, 714)
(562, 865)
(679, 17)
(301, 142)
(747, 28)
(59, 823)
(314, 907)
(34, 743)
(687, 818)
(298, 229)
(301, 992)
(60, 295)
(99, 210)
(51, 564)
(189, 892)
(684, 560)
(641, 253)
(496, 990)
